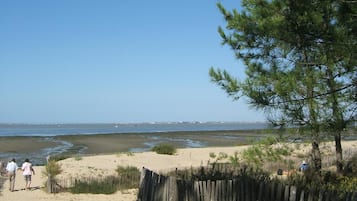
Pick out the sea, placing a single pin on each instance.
(58, 129)
(48, 132)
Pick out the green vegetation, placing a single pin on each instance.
(59, 157)
(300, 65)
(350, 169)
(78, 158)
(234, 159)
(107, 185)
(326, 180)
(262, 152)
(212, 155)
(164, 149)
(128, 178)
(220, 171)
(52, 169)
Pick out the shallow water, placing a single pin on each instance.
(151, 134)
(38, 148)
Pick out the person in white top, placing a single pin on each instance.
(11, 168)
(27, 172)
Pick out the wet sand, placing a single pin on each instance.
(114, 143)
(24, 144)
(111, 143)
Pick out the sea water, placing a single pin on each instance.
(109, 128)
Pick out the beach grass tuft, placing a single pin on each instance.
(52, 169)
(128, 178)
(107, 185)
(164, 149)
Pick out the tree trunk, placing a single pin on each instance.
(316, 156)
(338, 146)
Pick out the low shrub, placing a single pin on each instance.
(164, 149)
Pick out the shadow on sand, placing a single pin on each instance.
(2, 181)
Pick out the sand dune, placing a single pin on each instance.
(106, 165)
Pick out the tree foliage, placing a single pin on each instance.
(300, 59)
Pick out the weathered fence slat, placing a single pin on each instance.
(311, 195)
(254, 190)
(302, 194)
(272, 191)
(219, 190)
(202, 190)
(261, 190)
(234, 191)
(266, 192)
(246, 190)
(155, 187)
(292, 196)
(286, 193)
(196, 190)
(173, 194)
(230, 191)
(213, 191)
(321, 195)
(279, 193)
(353, 196)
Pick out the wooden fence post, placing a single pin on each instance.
(321, 195)
(154, 187)
(207, 191)
(261, 191)
(292, 193)
(286, 193)
(49, 184)
(230, 190)
(302, 195)
(279, 192)
(141, 184)
(354, 196)
(173, 193)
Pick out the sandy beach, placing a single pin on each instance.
(107, 163)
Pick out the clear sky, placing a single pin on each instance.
(104, 61)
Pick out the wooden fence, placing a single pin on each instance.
(155, 187)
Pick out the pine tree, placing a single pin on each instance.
(300, 59)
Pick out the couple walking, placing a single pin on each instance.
(27, 169)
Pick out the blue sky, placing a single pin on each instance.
(92, 61)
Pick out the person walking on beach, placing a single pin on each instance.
(11, 168)
(27, 172)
